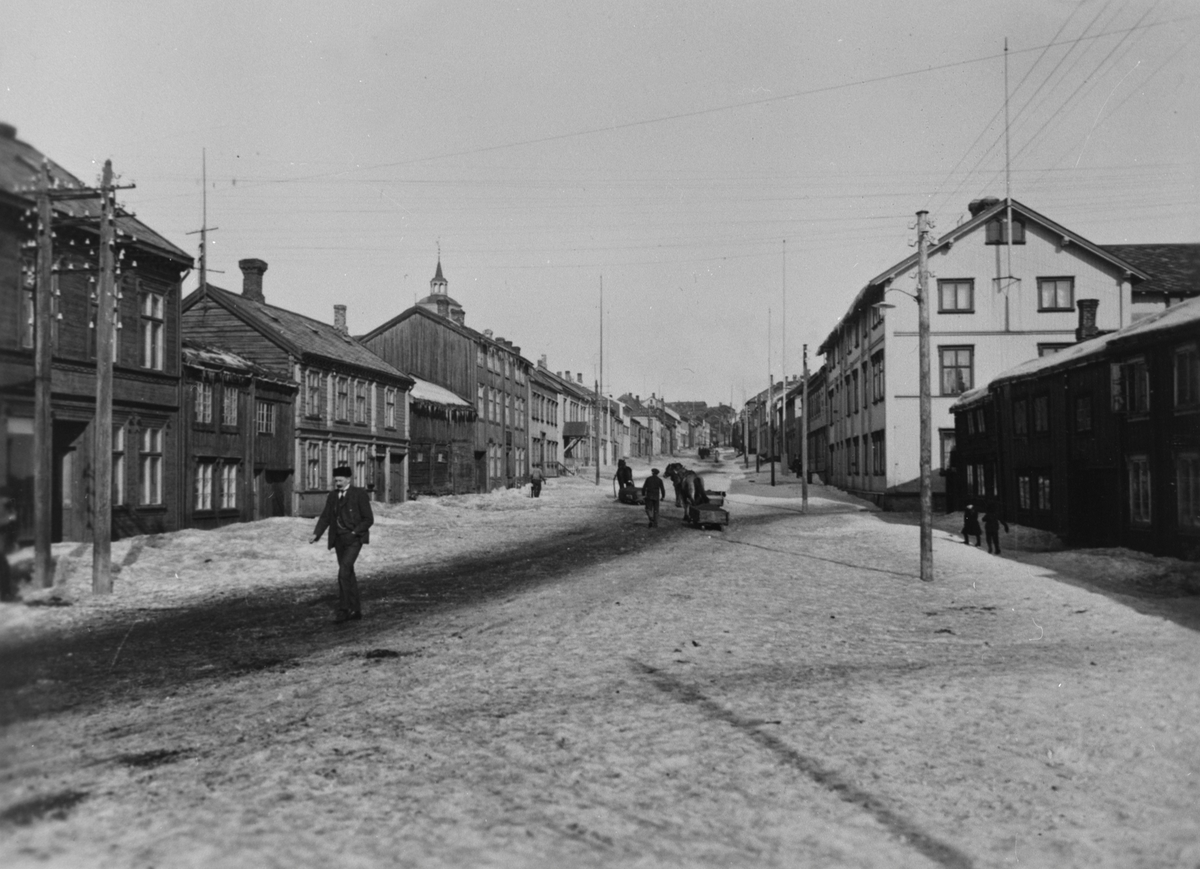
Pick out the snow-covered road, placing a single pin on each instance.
(550, 683)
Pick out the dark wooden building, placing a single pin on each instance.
(236, 468)
(441, 459)
(352, 408)
(146, 357)
(1099, 442)
(431, 340)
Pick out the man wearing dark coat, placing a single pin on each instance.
(348, 517)
(654, 491)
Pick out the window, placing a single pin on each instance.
(958, 369)
(1083, 413)
(1020, 417)
(1131, 386)
(1041, 414)
(341, 409)
(997, 231)
(956, 296)
(1187, 376)
(1051, 349)
(1023, 491)
(151, 465)
(204, 485)
(980, 421)
(878, 457)
(853, 457)
(204, 403)
(29, 305)
(877, 376)
(312, 470)
(866, 389)
(1139, 490)
(264, 417)
(118, 464)
(151, 306)
(229, 406)
(312, 393)
(360, 465)
(360, 401)
(229, 486)
(1042, 492)
(1056, 294)
(946, 437)
(852, 397)
(389, 407)
(480, 356)
(481, 400)
(1187, 489)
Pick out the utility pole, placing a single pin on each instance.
(785, 452)
(804, 435)
(926, 422)
(43, 434)
(102, 460)
(600, 382)
(205, 229)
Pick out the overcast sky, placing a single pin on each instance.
(669, 151)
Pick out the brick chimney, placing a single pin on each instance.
(7, 131)
(1087, 319)
(542, 361)
(339, 319)
(252, 278)
(579, 375)
(978, 205)
(487, 333)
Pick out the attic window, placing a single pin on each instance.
(997, 234)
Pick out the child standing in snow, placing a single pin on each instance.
(971, 525)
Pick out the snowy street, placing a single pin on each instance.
(548, 682)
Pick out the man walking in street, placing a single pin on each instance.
(348, 517)
(653, 491)
(991, 527)
(536, 477)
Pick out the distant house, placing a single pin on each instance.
(545, 429)
(432, 341)
(236, 466)
(352, 409)
(992, 304)
(146, 358)
(441, 459)
(1100, 442)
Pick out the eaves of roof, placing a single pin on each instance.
(465, 331)
(881, 280)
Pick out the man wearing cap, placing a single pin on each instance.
(654, 491)
(348, 517)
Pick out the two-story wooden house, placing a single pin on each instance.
(992, 304)
(237, 437)
(441, 459)
(432, 341)
(146, 357)
(352, 408)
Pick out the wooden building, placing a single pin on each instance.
(1099, 442)
(146, 357)
(237, 437)
(432, 341)
(441, 459)
(352, 408)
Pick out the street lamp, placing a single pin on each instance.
(926, 461)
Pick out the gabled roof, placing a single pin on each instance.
(981, 219)
(1174, 269)
(299, 335)
(20, 170)
(465, 331)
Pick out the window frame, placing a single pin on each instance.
(943, 368)
(1141, 500)
(1058, 305)
(152, 329)
(946, 283)
(150, 464)
(1185, 363)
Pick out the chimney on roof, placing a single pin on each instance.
(339, 319)
(252, 278)
(1087, 319)
(487, 333)
(7, 131)
(542, 361)
(579, 375)
(978, 205)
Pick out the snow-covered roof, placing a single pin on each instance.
(1175, 317)
(423, 390)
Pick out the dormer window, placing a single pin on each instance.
(997, 231)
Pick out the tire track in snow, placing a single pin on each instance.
(940, 852)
